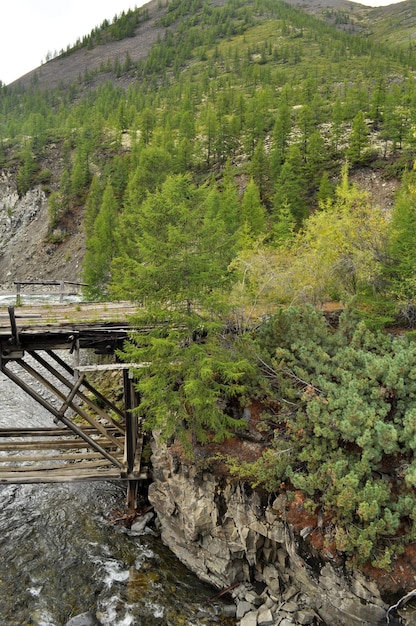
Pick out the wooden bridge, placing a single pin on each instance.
(92, 438)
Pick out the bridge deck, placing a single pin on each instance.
(90, 442)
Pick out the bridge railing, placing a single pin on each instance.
(64, 288)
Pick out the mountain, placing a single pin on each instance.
(195, 85)
(223, 162)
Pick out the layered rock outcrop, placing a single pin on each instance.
(228, 537)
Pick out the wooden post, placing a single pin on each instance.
(18, 296)
(61, 290)
(130, 402)
(13, 326)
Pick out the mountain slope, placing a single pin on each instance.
(204, 83)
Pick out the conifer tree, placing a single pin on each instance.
(281, 134)
(401, 267)
(325, 191)
(315, 157)
(284, 226)
(179, 272)
(27, 170)
(92, 205)
(359, 139)
(80, 176)
(100, 247)
(290, 186)
(171, 250)
(229, 210)
(260, 172)
(253, 215)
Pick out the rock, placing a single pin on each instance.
(265, 617)
(290, 607)
(243, 608)
(139, 526)
(226, 535)
(250, 619)
(271, 578)
(253, 598)
(84, 619)
(305, 617)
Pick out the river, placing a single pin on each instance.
(61, 555)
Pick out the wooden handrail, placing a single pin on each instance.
(46, 283)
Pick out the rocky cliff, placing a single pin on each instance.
(27, 249)
(229, 537)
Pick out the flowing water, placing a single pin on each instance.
(60, 554)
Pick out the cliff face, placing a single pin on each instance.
(27, 251)
(226, 535)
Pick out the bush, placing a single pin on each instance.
(346, 434)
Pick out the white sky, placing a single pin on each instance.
(29, 29)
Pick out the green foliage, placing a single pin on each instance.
(359, 139)
(253, 214)
(207, 179)
(101, 247)
(180, 254)
(401, 263)
(26, 176)
(344, 434)
(190, 376)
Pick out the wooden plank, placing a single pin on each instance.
(47, 432)
(58, 444)
(110, 366)
(63, 456)
(58, 477)
(63, 468)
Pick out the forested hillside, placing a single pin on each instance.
(213, 165)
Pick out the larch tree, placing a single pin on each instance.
(177, 269)
(253, 214)
(100, 247)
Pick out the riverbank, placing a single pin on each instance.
(232, 537)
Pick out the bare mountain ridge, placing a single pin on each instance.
(68, 68)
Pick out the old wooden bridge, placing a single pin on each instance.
(91, 439)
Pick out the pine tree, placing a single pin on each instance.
(80, 176)
(359, 140)
(27, 170)
(260, 172)
(281, 134)
(171, 255)
(401, 266)
(290, 186)
(101, 247)
(325, 191)
(315, 157)
(253, 215)
(92, 206)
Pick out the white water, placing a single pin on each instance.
(60, 555)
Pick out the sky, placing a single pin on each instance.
(29, 29)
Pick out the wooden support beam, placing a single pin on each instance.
(13, 327)
(87, 386)
(46, 458)
(58, 394)
(132, 454)
(31, 392)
